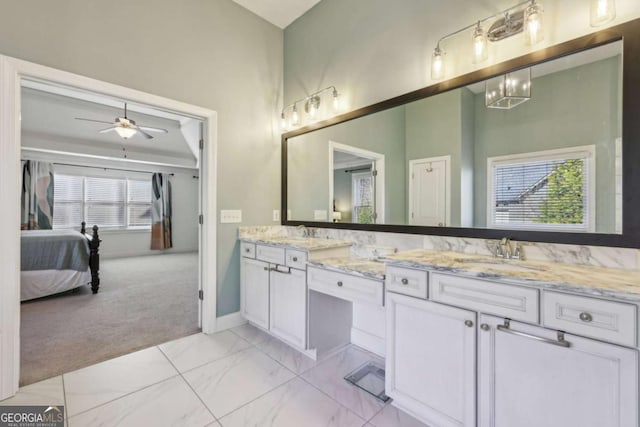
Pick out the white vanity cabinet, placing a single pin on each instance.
(288, 300)
(273, 288)
(431, 360)
(530, 378)
(254, 279)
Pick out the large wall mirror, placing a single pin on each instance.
(541, 148)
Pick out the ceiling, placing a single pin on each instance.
(280, 13)
(48, 122)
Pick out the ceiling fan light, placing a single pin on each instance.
(125, 132)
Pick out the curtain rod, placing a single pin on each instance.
(102, 167)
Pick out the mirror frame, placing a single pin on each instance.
(629, 33)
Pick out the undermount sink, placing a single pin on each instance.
(497, 265)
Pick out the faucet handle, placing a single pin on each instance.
(519, 252)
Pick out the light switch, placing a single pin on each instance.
(230, 216)
(276, 215)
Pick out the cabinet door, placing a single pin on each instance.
(254, 291)
(431, 360)
(527, 380)
(288, 299)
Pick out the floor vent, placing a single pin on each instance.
(370, 378)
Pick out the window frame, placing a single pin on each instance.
(84, 203)
(586, 152)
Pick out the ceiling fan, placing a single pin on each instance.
(126, 127)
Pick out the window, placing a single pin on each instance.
(362, 185)
(545, 190)
(107, 202)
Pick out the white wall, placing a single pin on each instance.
(211, 53)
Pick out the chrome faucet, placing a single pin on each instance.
(302, 229)
(504, 249)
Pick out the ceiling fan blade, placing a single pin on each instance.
(112, 128)
(146, 135)
(92, 120)
(152, 129)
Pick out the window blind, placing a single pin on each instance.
(553, 192)
(106, 202)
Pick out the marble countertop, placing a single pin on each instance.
(593, 281)
(352, 265)
(302, 243)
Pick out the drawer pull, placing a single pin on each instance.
(277, 270)
(468, 323)
(340, 284)
(405, 281)
(485, 327)
(586, 317)
(294, 259)
(247, 250)
(560, 342)
(266, 268)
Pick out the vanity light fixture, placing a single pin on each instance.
(602, 11)
(312, 108)
(295, 117)
(509, 90)
(525, 16)
(480, 46)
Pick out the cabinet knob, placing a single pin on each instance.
(247, 250)
(340, 284)
(405, 281)
(294, 259)
(266, 268)
(586, 317)
(484, 327)
(468, 323)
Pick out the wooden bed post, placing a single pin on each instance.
(94, 259)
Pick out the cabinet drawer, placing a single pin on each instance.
(514, 302)
(351, 288)
(248, 250)
(406, 281)
(296, 259)
(270, 254)
(606, 320)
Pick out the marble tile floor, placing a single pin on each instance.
(241, 377)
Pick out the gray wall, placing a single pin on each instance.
(308, 164)
(211, 53)
(570, 108)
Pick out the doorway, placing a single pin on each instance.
(356, 184)
(12, 73)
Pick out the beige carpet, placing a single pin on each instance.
(143, 301)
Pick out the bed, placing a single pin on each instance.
(54, 261)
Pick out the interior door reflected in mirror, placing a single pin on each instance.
(539, 148)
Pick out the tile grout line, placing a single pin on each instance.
(64, 400)
(215, 419)
(131, 392)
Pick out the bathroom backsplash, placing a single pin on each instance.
(372, 244)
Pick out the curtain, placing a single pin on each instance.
(160, 211)
(37, 195)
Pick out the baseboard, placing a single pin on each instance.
(229, 321)
(368, 341)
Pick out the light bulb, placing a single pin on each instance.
(533, 30)
(336, 100)
(480, 48)
(437, 64)
(295, 117)
(283, 121)
(602, 11)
